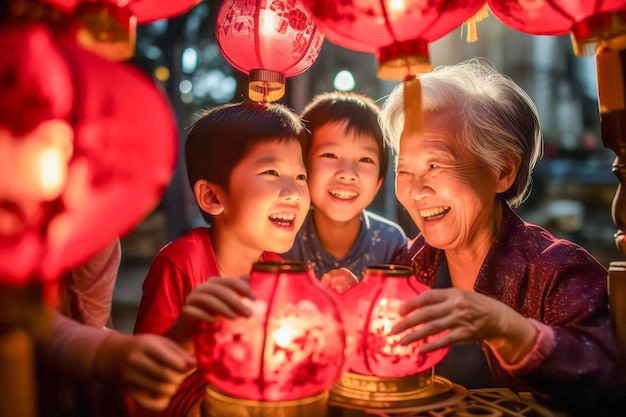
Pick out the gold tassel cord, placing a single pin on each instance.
(610, 82)
(470, 24)
(412, 105)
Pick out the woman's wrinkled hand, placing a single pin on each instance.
(461, 316)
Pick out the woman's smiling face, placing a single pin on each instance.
(448, 193)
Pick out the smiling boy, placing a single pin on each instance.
(346, 161)
(245, 167)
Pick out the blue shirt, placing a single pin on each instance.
(380, 241)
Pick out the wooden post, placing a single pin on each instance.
(611, 73)
(17, 382)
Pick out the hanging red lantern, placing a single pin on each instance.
(146, 11)
(292, 348)
(109, 27)
(384, 372)
(269, 40)
(87, 147)
(587, 21)
(396, 31)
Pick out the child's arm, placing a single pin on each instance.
(148, 367)
(339, 280)
(216, 296)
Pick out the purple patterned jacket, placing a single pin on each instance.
(553, 281)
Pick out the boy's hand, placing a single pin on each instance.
(339, 280)
(149, 368)
(216, 296)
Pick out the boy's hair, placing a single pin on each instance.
(224, 135)
(359, 112)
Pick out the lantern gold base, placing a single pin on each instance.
(218, 404)
(265, 86)
(362, 391)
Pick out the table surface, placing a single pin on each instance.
(487, 402)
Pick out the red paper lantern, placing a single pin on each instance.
(292, 347)
(269, 40)
(146, 11)
(109, 27)
(376, 301)
(397, 32)
(587, 21)
(87, 149)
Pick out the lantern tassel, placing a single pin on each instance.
(470, 24)
(610, 80)
(413, 118)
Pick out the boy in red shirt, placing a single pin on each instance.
(245, 167)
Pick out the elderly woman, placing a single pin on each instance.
(534, 306)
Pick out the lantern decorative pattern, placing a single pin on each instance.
(84, 151)
(269, 40)
(587, 21)
(377, 301)
(396, 31)
(293, 346)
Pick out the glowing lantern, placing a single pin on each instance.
(87, 147)
(269, 40)
(587, 21)
(146, 11)
(395, 374)
(292, 348)
(396, 31)
(109, 27)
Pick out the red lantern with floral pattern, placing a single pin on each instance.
(376, 302)
(383, 373)
(293, 347)
(396, 31)
(269, 40)
(587, 21)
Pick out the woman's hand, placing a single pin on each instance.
(467, 317)
(339, 280)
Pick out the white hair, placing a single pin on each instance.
(490, 115)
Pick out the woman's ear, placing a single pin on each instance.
(209, 197)
(507, 177)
